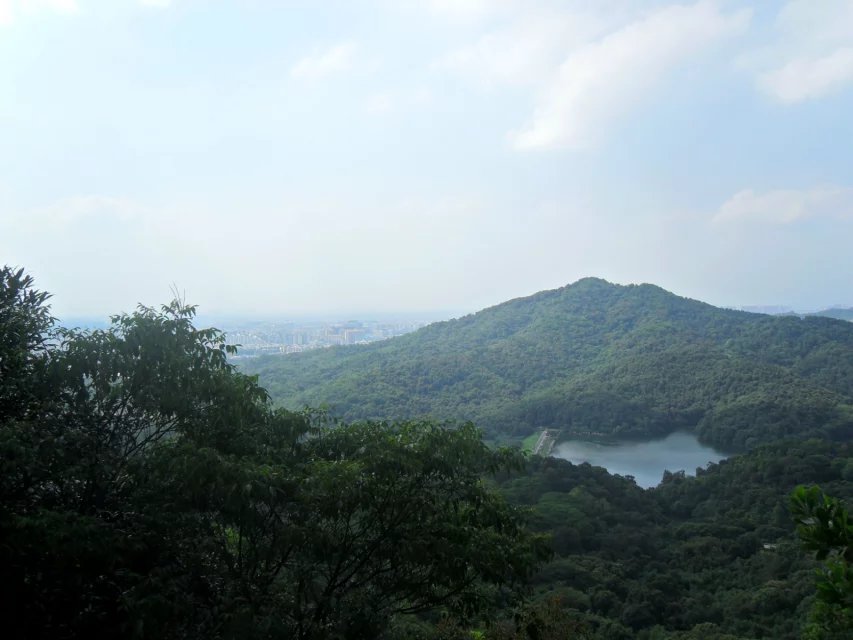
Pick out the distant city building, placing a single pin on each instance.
(263, 338)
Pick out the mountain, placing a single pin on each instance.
(593, 357)
(839, 313)
(770, 309)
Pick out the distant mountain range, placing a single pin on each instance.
(839, 313)
(593, 358)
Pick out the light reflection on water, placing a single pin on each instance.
(645, 460)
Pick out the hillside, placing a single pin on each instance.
(247, 521)
(839, 313)
(711, 557)
(593, 357)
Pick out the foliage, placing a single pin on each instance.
(632, 361)
(147, 489)
(706, 556)
(25, 320)
(825, 528)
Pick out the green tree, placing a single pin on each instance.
(150, 490)
(825, 528)
(25, 323)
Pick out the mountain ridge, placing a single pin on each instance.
(839, 313)
(628, 360)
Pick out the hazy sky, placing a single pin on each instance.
(290, 157)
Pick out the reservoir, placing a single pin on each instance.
(645, 460)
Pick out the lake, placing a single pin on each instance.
(645, 460)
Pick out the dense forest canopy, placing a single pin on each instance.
(148, 489)
(593, 357)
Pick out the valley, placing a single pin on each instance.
(598, 462)
(664, 437)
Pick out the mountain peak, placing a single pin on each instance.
(592, 356)
(592, 281)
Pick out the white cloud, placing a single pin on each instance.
(125, 251)
(806, 23)
(808, 79)
(387, 102)
(322, 63)
(784, 206)
(61, 6)
(600, 81)
(526, 52)
(69, 211)
(6, 14)
(107, 253)
(12, 10)
(813, 54)
(464, 10)
(380, 103)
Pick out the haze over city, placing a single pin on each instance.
(365, 157)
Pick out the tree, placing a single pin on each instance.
(357, 523)
(25, 323)
(149, 489)
(825, 528)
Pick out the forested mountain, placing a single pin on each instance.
(593, 357)
(704, 558)
(148, 489)
(839, 313)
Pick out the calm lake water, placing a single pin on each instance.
(645, 460)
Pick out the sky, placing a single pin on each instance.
(287, 158)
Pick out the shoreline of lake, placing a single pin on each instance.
(644, 460)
